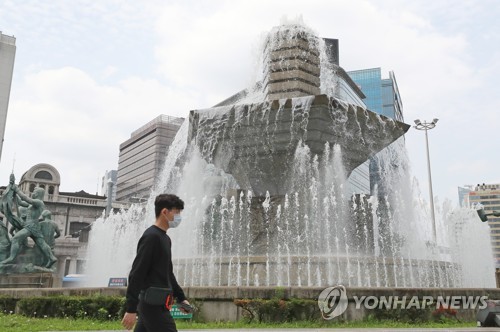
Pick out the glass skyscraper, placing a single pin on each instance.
(382, 95)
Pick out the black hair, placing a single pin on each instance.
(169, 202)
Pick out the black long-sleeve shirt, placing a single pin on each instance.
(152, 267)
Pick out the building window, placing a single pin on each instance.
(32, 187)
(43, 175)
(51, 190)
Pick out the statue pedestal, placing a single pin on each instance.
(27, 280)
(27, 271)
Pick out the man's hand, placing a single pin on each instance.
(182, 309)
(129, 320)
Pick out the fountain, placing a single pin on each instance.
(264, 177)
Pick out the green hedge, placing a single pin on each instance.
(279, 310)
(95, 307)
(7, 304)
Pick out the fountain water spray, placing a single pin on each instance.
(264, 179)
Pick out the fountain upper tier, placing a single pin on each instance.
(256, 143)
(291, 63)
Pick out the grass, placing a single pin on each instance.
(18, 323)
(322, 324)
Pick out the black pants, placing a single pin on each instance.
(154, 318)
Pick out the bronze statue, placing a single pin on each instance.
(50, 230)
(484, 216)
(4, 241)
(8, 197)
(32, 220)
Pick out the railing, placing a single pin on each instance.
(77, 200)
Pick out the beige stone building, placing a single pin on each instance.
(489, 196)
(142, 157)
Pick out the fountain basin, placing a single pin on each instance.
(256, 143)
(322, 270)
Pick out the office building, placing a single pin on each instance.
(488, 195)
(382, 95)
(142, 157)
(7, 55)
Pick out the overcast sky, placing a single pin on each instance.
(88, 73)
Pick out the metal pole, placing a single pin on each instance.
(431, 195)
(424, 125)
(110, 198)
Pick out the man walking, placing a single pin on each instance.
(152, 270)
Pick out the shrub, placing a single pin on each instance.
(278, 310)
(413, 314)
(7, 304)
(98, 307)
(443, 313)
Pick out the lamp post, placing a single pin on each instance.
(419, 125)
(109, 204)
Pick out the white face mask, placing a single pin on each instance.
(174, 223)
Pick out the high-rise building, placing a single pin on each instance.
(7, 55)
(382, 95)
(488, 195)
(142, 157)
(109, 176)
(392, 106)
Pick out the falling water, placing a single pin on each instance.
(307, 232)
(309, 236)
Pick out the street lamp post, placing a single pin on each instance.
(419, 125)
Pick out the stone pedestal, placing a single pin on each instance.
(27, 280)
